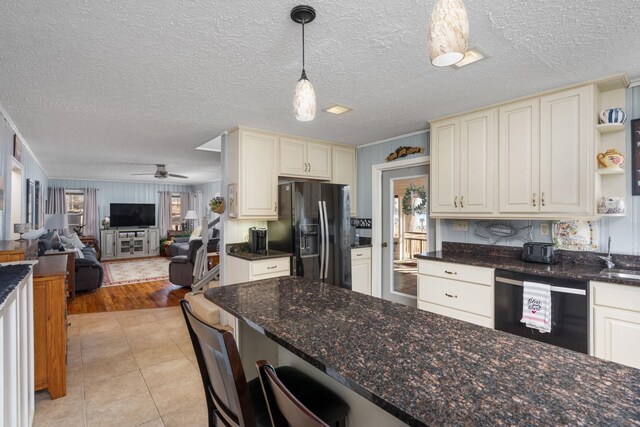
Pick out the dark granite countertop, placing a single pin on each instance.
(250, 256)
(10, 277)
(428, 369)
(586, 268)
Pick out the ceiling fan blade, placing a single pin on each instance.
(143, 174)
(173, 175)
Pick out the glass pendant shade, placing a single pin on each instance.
(448, 33)
(304, 100)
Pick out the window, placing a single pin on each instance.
(75, 207)
(176, 220)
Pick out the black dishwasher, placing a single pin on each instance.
(569, 309)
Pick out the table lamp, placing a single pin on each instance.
(191, 215)
(20, 229)
(56, 222)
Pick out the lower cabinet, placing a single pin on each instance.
(241, 270)
(455, 290)
(615, 323)
(129, 243)
(361, 270)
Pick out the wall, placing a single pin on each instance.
(122, 192)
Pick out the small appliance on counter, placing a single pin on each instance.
(538, 252)
(258, 240)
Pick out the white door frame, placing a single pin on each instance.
(376, 217)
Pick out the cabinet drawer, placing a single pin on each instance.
(456, 314)
(464, 296)
(270, 266)
(448, 270)
(617, 296)
(360, 253)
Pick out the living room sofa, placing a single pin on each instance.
(180, 245)
(89, 272)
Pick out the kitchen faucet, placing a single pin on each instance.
(607, 259)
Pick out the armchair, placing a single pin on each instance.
(181, 266)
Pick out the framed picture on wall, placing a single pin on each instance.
(38, 209)
(31, 196)
(17, 148)
(1, 193)
(635, 157)
(231, 201)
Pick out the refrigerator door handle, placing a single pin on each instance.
(321, 240)
(326, 236)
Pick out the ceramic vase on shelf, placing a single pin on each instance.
(612, 206)
(613, 115)
(610, 159)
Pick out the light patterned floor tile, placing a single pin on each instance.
(130, 411)
(156, 355)
(170, 397)
(108, 368)
(67, 407)
(102, 392)
(169, 372)
(191, 415)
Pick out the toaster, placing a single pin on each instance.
(538, 252)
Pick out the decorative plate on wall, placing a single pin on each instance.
(575, 235)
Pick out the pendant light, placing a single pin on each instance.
(448, 33)
(304, 100)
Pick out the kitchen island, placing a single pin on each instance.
(427, 369)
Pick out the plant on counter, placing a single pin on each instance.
(414, 192)
(217, 204)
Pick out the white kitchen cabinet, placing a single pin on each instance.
(615, 323)
(241, 270)
(519, 158)
(460, 291)
(361, 270)
(253, 167)
(463, 151)
(567, 126)
(343, 165)
(303, 158)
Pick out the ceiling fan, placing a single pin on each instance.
(161, 173)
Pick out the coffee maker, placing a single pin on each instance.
(258, 240)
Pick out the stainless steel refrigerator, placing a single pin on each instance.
(313, 224)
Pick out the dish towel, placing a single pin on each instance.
(536, 306)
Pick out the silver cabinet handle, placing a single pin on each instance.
(275, 206)
(309, 167)
(306, 167)
(451, 272)
(455, 202)
(451, 296)
(462, 201)
(272, 267)
(358, 254)
(542, 200)
(533, 199)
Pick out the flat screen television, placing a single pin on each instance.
(133, 215)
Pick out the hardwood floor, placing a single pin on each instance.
(128, 297)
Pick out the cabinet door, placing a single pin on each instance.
(477, 150)
(519, 143)
(616, 335)
(108, 244)
(319, 160)
(361, 276)
(154, 241)
(566, 151)
(258, 189)
(343, 165)
(293, 157)
(445, 166)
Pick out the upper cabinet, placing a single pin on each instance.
(305, 159)
(543, 151)
(343, 165)
(253, 166)
(463, 158)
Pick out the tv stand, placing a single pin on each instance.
(122, 243)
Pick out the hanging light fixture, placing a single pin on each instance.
(304, 100)
(448, 33)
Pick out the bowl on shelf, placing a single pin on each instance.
(610, 159)
(613, 115)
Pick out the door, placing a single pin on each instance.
(406, 230)
(519, 156)
(566, 151)
(259, 182)
(154, 241)
(306, 227)
(445, 160)
(343, 165)
(108, 245)
(617, 335)
(337, 242)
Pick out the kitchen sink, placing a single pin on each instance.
(622, 274)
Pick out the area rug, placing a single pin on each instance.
(118, 273)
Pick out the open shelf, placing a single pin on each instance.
(610, 127)
(609, 171)
(611, 215)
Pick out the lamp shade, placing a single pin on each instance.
(304, 100)
(448, 33)
(191, 215)
(56, 221)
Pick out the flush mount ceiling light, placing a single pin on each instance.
(338, 109)
(304, 100)
(448, 33)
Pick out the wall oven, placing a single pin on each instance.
(569, 309)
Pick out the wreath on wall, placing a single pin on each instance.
(411, 193)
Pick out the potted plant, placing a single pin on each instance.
(217, 204)
(106, 221)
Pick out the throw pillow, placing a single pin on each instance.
(196, 233)
(73, 240)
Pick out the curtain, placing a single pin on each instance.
(185, 204)
(90, 210)
(199, 207)
(55, 201)
(164, 216)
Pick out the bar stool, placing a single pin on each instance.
(234, 402)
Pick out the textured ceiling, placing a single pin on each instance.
(96, 87)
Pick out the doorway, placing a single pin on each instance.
(406, 229)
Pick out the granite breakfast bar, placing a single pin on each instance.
(426, 369)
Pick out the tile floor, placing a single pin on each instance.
(128, 368)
